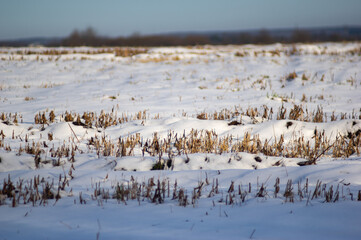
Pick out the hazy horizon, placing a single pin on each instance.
(48, 18)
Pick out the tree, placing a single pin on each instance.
(263, 37)
(299, 35)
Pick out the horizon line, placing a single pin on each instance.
(182, 32)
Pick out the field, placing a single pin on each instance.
(211, 142)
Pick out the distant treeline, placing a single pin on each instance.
(89, 37)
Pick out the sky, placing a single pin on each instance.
(58, 18)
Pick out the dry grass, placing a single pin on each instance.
(158, 59)
(11, 118)
(294, 50)
(90, 119)
(50, 85)
(123, 52)
(304, 77)
(128, 52)
(298, 113)
(204, 141)
(291, 76)
(194, 142)
(209, 142)
(35, 191)
(41, 192)
(29, 98)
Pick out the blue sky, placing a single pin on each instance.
(56, 18)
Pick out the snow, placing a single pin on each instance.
(173, 85)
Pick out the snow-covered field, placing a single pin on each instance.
(253, 142)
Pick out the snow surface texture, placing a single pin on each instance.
(174, 86)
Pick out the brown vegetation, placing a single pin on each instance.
(41, 192)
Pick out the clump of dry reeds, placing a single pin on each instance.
(90, 119)
(35, 191)
(11, 118)
(291, 76)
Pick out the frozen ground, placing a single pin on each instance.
(160, 98)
